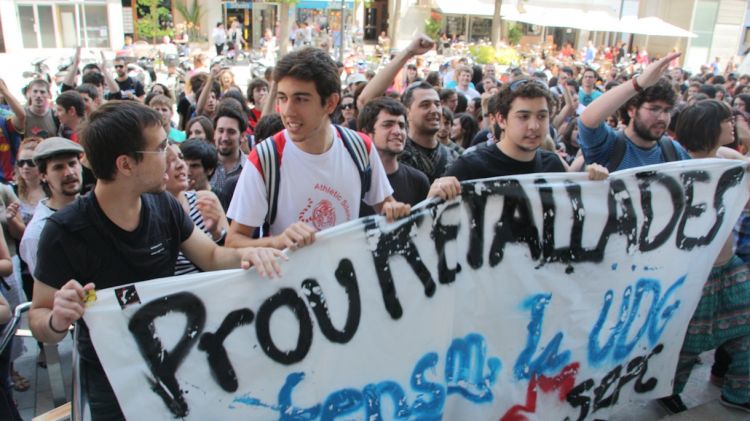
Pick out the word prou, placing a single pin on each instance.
(464, 374)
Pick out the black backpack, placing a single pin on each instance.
(668, 151)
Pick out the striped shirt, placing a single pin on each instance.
(183, 264)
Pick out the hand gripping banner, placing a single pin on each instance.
(544, 296)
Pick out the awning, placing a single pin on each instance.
(467, 7)
(562, 17)
(653, 26)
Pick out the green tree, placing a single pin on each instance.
(433, 26)
(192, 16)
(155, 20)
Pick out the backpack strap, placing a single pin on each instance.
(359, 149)
(618, 151)
(668, 151)
(269, 154)
(538, 161)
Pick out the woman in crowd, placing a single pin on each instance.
(722, 316)
(200, 127)
(465, 127)
(203, 206)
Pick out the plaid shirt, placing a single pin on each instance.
(742, 236)
(220, 175)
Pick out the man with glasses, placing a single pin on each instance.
(588, 92)
(648, 100)
(129, 88)
(127, 230)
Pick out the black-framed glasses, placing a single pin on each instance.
(25, 163)
(522, 82)
(348, 106)
(162, 148)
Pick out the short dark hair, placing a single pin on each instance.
(408, 96)
(310, 65)
(268, 125)
(368, 115)
(709, 90)
(446, 93)
(205, 122)
(531, 88)
(94, 78)
(661, 91)
(71, 99)
(230, 107)
(699, 125)
(448, 114)
(114, 129)
(256, 83)
(89, 90)
(433, 78)
(199, 149)
(91, 66)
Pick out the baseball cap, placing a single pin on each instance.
(55, 146)
(356, 78)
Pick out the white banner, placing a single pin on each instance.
(543, 296)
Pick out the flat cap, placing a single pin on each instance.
(55, 146)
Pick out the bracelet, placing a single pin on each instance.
(637, 87)
(52, 328)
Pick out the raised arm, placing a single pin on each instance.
(15, 106)
(206, 90)
(612, 100)
(383, 79)
(70, 76)
(108, 79)
(269, 103)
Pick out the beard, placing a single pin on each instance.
(643, 132)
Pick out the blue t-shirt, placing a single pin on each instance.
(587, 99)
(597, 145)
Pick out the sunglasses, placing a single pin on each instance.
(347, 106)
(25, 163)
(522, 82)
(119, 66)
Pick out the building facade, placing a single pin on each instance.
(44, 24)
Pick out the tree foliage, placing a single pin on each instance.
(155, 20)
(192, 16)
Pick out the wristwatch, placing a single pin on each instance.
(222, 236)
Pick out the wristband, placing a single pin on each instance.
(636, 86)
(52, 328)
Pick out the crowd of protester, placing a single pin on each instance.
(99, 174)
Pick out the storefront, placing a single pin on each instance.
(324, 14)
(63, 24)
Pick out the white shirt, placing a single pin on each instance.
(322, 190)
(30, 239)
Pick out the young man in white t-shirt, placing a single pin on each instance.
(319, 183)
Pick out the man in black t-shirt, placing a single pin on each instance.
(129, 88)
(523, 114)
(127, 230)
(384, 120)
